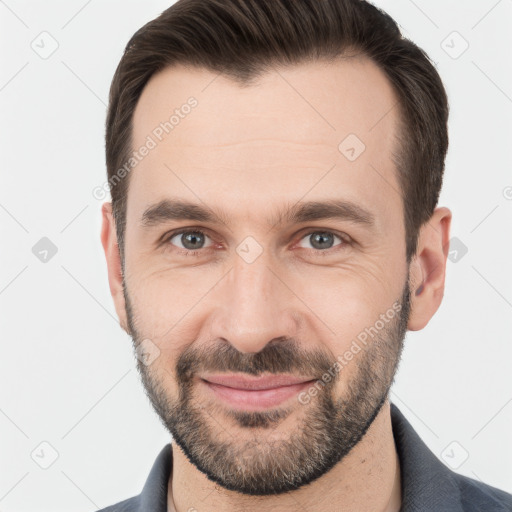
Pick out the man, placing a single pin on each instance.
(275, 168)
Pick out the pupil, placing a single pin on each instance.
(191, 239)
(320, 239)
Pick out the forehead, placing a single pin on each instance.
(321, 130)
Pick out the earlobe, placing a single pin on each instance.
(113, 258)
(428, 269)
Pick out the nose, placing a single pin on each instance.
(255, 306)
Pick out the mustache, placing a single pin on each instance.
(281, 355)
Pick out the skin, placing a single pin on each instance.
(250, 152)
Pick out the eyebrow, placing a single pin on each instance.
(178, 209)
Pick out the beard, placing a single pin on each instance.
(250, 458)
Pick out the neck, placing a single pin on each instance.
(368, 478)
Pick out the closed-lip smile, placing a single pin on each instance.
(249, 392)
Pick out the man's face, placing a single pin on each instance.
(253, 290)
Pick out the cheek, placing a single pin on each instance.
(348, 300)
(173, 305)
(165, 299)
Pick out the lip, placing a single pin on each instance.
(255, 383)
(255, 393)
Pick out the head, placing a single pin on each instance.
(274, 169)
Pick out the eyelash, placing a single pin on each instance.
(345, 241)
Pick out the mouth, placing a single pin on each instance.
(255, 393)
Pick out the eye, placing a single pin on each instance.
(190, 240)
(322, 240)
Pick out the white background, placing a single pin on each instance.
(68, 374)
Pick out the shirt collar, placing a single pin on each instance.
(154, 493)
(427, 484)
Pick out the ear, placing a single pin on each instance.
(115, 272)
(428, 268)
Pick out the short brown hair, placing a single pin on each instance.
(243, 38)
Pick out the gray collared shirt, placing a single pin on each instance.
(427, 484)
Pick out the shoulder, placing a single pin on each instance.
(128, 505)
(477, 496)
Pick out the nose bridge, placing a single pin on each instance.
(256, 306)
